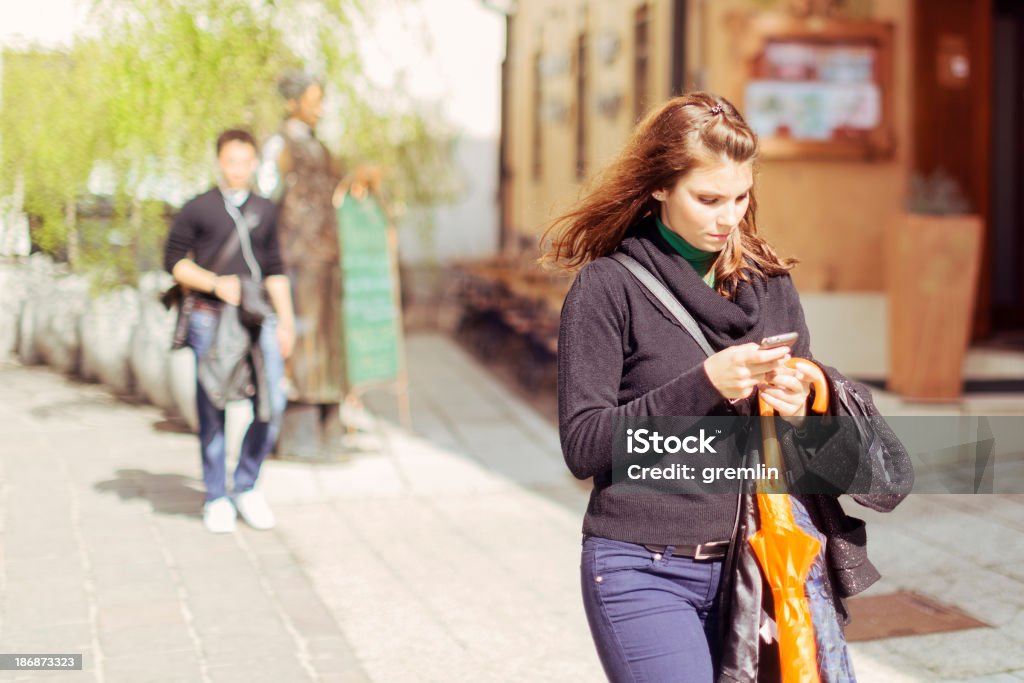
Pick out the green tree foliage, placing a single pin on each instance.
(141, 103)
(49, 103)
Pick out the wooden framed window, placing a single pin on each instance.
(819, 89)
(641, 59)
(582, 97)
(536, 119)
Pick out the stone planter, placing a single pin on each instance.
(151, 343)
(13, 291)
(38, 279)
(106, 330)
(57, 316)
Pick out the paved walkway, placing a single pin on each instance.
(448, 556)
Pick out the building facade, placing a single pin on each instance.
(936, 85)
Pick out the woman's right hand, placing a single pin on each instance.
(737, 370)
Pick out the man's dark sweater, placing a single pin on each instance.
(621, 353)
(204, 224)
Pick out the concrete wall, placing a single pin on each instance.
(466, 228)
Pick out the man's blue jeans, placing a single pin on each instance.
(260, 437)
(654, 618)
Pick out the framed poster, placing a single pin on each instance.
(819, 88)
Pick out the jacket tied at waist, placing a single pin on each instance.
(232, 369)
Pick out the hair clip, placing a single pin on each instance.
(717, 109)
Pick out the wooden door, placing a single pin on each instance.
(952, 96)
(1006, 274)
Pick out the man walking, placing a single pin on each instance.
(218, 239)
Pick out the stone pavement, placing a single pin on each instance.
(410, 563)
(449, 555)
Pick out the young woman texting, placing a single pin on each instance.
(679, 199)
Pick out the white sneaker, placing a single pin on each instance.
(219, 516)
(253, 508)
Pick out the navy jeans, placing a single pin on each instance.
(260, 437)
(654, 617)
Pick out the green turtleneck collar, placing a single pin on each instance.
(699, 259)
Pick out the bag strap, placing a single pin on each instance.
(226, 252)
(242, 234)
(661, 292)
(177, 293)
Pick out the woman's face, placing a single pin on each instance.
(708, 203)
(309, 106)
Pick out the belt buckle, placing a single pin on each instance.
(705, 551)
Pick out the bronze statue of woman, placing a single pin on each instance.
(299, 173)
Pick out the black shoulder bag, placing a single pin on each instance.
(253, 307)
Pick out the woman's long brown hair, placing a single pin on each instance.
(692, 130)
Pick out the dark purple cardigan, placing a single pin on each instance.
(620, 353)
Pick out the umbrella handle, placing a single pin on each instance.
(820, 403)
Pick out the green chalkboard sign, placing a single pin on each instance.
(370, 313)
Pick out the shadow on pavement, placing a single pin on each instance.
(173, 424)
(169, 494)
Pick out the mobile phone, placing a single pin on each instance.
(777, 340)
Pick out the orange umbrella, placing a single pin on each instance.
(785, 551)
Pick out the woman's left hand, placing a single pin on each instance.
(787, 390)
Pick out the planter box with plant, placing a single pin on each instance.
(933, 258)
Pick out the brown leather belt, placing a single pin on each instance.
(207, 304)
(713, 550)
